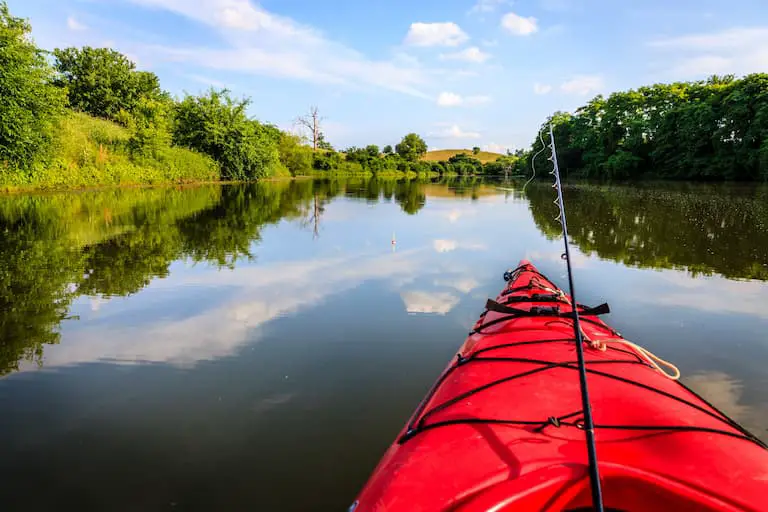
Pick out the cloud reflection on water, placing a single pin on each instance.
(253, 296)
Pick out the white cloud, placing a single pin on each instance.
(583, 85)
(450, 99)
(229, 14)
(472, 54)
(541, 88)
(453, 216)
(736, 50)
(519, 25)
(452, 131)
(435, 34)
(438, 303)
(488, 6)
(261, 43)
(495, 148)
(73, 24)
(445, 245)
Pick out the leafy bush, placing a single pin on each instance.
(217, 125)
(150, 126)
(326, 160)
(29, 103)
(294, 155)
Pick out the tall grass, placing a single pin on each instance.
(89, 152)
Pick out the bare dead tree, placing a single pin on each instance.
(311, 121)
(318, 210)
(312, 215)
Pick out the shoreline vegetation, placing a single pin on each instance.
(79, 118)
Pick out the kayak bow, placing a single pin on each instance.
(502, 428)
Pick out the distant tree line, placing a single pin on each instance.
(408, 157)
(715, 129)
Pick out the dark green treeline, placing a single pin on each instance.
(708, 130)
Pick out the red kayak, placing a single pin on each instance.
(502, 428)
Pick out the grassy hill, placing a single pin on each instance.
(94, 152)
(445, 154)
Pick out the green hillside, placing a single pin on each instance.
(444, 154)
(87, 151)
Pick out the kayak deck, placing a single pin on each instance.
(502, 426)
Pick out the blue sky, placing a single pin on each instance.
(459, 72)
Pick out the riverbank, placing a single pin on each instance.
(94, 153)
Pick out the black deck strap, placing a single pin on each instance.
(602, 309)
(536, 297)
(479, 330)
(492, 305)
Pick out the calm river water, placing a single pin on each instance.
(258, 347)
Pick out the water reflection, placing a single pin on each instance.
(190, 336)
(231, 307)
(703, 229)
(59, 247)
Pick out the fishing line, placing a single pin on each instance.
(589, 424)
(533, 162)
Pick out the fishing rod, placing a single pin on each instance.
(589, 424)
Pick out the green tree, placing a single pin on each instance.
(150, 126)
(102, 81)
(464, 164)
(217, 124)
(322, 143)
(326, 160)
(476, 150)
(29, 103)
(294, 155)
(411, 148)
(387, 150)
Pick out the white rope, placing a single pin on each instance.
(602, 344)
(650, 357)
